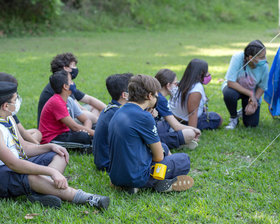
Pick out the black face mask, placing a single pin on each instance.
(74, 72)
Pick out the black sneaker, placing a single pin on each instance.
(99, 201)
(45, 200)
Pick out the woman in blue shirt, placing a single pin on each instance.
(246, 79)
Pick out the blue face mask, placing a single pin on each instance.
(261, 63)
(74, 72)
(73, 88)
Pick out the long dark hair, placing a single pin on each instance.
(252, 49)
(194, 73)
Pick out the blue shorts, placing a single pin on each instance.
(177, 164)
(173, 139)
(15, 184)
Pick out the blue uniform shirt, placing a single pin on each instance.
(130, 131)
(162, 106)
(100, 140)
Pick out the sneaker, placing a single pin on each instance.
(101, 202)
(192, 145)
(233, 122)
(130, 190)
(45, 200)
(179, 183)
(239, 113)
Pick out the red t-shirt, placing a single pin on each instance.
(50, 125)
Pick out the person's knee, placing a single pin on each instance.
(59, 160)
(251, 124)
(188, 134)
(33, 179)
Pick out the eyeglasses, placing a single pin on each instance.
(18, 98)
(175, 83)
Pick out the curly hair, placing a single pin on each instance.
(62, 60)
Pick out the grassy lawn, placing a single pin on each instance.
(224, 192)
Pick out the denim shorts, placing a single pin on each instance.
(15, 184)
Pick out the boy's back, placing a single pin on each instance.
(130, 131)
(100, 141)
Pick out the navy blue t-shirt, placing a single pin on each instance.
(131, 129)
(162, 106)
(100, 140)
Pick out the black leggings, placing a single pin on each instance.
(231, 96)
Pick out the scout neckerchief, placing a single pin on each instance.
(110, 106)
(8, 124)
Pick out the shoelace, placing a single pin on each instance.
(93, 200)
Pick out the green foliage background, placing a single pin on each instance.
(29, 17)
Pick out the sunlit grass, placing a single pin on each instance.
(223, 191)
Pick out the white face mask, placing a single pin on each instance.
(17, 106)
(126, 96)
(173, 90)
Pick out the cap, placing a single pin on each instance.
(7, 88)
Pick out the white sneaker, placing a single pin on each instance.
(233, 122)
(239, 113)
(192, 145)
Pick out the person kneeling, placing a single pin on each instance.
(135, 145)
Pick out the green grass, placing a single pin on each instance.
(223, 192)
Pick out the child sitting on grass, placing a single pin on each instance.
(134, 144)
(55, 122)
(180, 135)
(117, 88)
(31, 135)
(34, 170)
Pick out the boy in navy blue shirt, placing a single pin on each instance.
(117, 88)
(135, 145)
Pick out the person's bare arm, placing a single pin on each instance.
(95, 103)
(240, 89)
(177, 126)
(26, 167)
(157, 151)
(26, 135)
(259, 93)
(85, 121)
(193, 105)
(70, 123)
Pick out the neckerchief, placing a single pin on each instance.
(8, 124)
(110, 106)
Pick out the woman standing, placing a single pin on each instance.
(189, 102)
(246, 79)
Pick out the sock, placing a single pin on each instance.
(81, 197)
